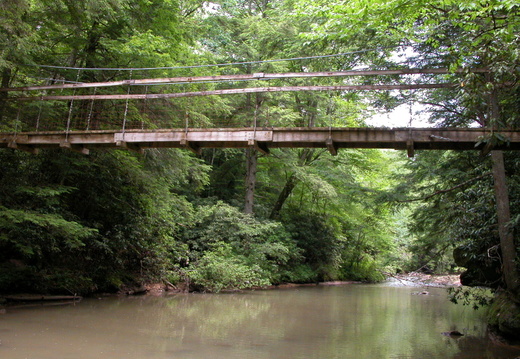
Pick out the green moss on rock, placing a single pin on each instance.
(504, 317)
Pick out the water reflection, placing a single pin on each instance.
(356, 321)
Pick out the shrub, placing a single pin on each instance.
(222, 269)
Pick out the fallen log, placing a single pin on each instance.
(41, 298)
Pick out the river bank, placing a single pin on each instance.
(417, 279)
(413, 279)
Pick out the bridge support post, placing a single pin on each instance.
(130, 146)
(76, 148)
(28, 149)
(410, 148)
(510, 273)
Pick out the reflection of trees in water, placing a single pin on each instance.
(366, 320)
(370, 322)
(182, 322)
(343, 322)
(470, 346)
(216, 316)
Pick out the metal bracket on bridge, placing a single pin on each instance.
(25, 148)
(259, 146)
(410, 150)
(190, 146)
(130, 146)
(331, 146)
(76, 148)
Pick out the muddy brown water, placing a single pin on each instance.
(350, 321)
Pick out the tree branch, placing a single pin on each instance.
(446, 190)
(446, 108)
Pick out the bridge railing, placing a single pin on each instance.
(63, 102)
(32, 111)
(88, 115)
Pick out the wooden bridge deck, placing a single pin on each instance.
(263, 139)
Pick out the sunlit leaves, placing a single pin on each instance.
(33, 233)
(231, 250)
(222, 269)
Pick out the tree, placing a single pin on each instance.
(227, 249)
(80, 224)
(16, 38)
(449, 34)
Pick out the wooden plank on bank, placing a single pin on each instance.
(41, 298)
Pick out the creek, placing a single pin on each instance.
(349, 321)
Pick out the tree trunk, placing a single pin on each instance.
(6, 78)
(305, 157)
(507, 243)
(251, 162)
(282, 197)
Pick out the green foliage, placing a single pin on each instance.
(318, 237)
(32, 234)
(299, 273)
(116, 221)
(366, 269)
(433, 33)
(440, 193)
(220, 269)
(15, 33)
(222, 234)
(77, 224)
(476, 297)
(338, 248)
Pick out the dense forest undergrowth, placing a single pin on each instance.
(71, 223)
(82, 224)
(78, 224)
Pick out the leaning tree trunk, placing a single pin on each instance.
(282, 197)
(507, 242)
(251, 163)
(305, 158)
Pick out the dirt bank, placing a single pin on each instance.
(406, 280)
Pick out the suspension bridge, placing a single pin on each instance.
(263, 139)
(137, 114)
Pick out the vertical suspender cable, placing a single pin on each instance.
(91, 107)
(17, 122)
(145, 107)
(255, 120)
(39, 115)
(410, 109)
(126, 107)
(70, 110)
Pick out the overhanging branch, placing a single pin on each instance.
(447, 190)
